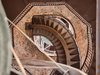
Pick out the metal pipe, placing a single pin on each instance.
(98, 38)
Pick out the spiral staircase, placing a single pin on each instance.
(61, 37)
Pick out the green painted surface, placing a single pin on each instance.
(5, 44)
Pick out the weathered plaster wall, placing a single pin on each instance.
(24, 48)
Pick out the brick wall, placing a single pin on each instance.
(26, 50)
